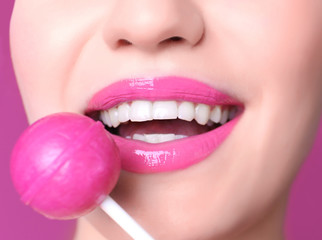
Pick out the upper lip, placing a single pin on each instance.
(158, 88)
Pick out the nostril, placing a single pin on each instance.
(123, 43)
(174, 39)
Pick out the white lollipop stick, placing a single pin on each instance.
(124, 220)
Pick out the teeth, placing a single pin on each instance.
(215, 114)
(165, 110)
(159, 138)
(202, 113)
(105, 117)
(224, 116)
(156, 138)
(139, 137)
(124, 112)
(232, 113)
(140, 111)
(186, 111)
(114, 117)
(180, 136)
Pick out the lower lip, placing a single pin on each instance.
(141, 157)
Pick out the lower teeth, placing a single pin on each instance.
(156, 138)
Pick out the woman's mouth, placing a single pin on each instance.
(162, 121)
(164, 124)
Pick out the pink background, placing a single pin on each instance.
(304, 221)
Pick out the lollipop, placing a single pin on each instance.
(65, 165)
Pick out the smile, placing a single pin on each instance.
(164, 124)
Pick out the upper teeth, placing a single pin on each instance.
(141, 110)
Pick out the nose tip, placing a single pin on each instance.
(148, 25)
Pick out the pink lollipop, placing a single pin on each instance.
(65, 165)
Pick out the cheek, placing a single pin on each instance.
(34, 63)
(290, 78)
(44, 53)
(273, 48)
(267, 41)
(290, 53)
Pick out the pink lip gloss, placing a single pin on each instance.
(142, 157)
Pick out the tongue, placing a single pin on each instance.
(178, 127)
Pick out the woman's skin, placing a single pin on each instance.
(265, 53)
